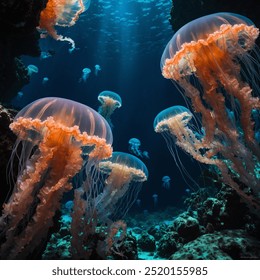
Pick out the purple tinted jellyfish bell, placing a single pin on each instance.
(109, 102)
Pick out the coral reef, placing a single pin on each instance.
(223, 245)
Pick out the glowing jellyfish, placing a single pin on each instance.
(85, 74)
(45, 80)
(97, 69)
(134, 147)
(214, 61)
(176, 127)
(51, 135)
(166, 182)
(146, 155)
(62, 13)
(109, 102)
(32, 69)
(125, 175)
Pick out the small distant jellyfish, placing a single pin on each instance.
(45, 80)
(134, 147)
(146, 155)
(85, 74)
(155, 200)
(69, 205)
(109, 102)
(166, 182)
(32, 69)
(20, 94)
(97, 69)
(138, 203)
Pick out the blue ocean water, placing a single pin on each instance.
(126, 39)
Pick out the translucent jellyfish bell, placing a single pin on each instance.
(109, 102)
(175, 125)
(134, 147)
(85, 74)
(51, 134)
(97, 69)
(125, 176)
(166, 181)
(32, 69)
(45, 80)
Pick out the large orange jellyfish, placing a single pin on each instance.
(63, 13)
(215, 62)
(52, 136)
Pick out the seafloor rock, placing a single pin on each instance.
(19, 19)
(168, 244)
(223, 245)
(187, 227)
(184, 11)
(146, 242)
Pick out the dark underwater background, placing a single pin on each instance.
(127, 39)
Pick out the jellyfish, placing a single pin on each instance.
(134, 147)
(166, 181)
(32, 69)
(97, 69)
(51, 134)
(109, 102)
(176, 127)
(125, 175)
(85, 74)
(138, 202)
(215, 63)
(146, 155)
(62, 13)
(155, 200)
(20, 94)
(45, 80)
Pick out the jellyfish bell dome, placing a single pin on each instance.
(110, 97)
(134, 141)
(162, 120)
(200, 29)
(68, 113)
(86, 70)
(226, 30)
(32, 69)
(166, 178)
(132, 164)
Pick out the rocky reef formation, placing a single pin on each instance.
(19, 19)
